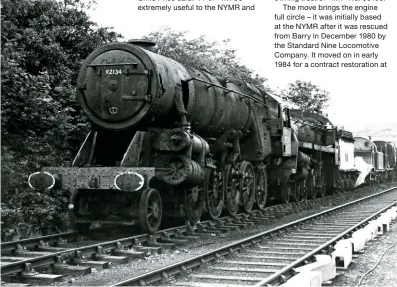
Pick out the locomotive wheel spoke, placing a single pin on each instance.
(232, 192)
(261, 188)
(194, 203)
(214, 191)
(247, 185)
(150, 211)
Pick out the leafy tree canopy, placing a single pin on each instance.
(307, 96)
(214, 57)
(43, 43)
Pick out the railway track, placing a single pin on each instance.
(270, 258)
(60, 254)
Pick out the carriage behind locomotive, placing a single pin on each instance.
(380, 155)
(175, 142)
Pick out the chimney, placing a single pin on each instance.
(145, 44)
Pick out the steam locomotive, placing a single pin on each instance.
(380, 155)
(170, 141)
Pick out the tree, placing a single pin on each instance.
(199, 53)
(309, 97)
(43, 45)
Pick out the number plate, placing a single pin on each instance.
(113, 71)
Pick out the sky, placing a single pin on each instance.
(359, 96)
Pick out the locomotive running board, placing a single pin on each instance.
(317, 147)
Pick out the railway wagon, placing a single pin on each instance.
(328, 153)
(372, 155)
(168, 141)
(389, 159)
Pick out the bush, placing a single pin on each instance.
(43, 45)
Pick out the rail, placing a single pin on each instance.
(182, 266)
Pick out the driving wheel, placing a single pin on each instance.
(232, 194)
(194, 203)
(214, 190)
(261, 188)
(247, 185)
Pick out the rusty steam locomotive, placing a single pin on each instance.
(173, 141)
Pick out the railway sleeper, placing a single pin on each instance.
(51, 249)
(282, 244)
(238, 224)
(175, 241)
(198, 234)
(225, 279)
(129, 253)
(99, 265)
(259, 220)
(163, 245)
(245, 222)
(148, 250)
(187, 237)
(34, 278)
(231, 227)
(217, 230)
(113, 259)
(65, 269)
(286, 250)
(4, 284)
(267, 217)
(276, 252)
(199, 284)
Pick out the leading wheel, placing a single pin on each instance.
(150, 211)
(232, 193)
(214, 190)
(261, 188)
(194, 203)
(247, 185)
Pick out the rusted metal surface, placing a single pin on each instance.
(123, 74)
(97, 177)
